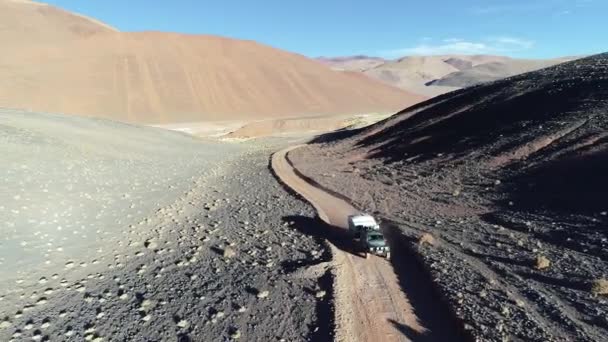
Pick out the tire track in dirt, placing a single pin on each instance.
(370, 304)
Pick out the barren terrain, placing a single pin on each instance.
(499, 190)
(53, 62)
(303, 125)
(117, 232)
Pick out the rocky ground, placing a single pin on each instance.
(498, 190)
(214, 260)
(484, 263)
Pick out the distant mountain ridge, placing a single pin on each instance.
(436, 75)
(352, 63)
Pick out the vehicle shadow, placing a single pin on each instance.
(431, 310)
(317, 228)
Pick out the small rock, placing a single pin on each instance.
(5, 323)
(183, 323)
(600, 287)
(229, 252)
(37, 336)
(235, 335)
(542, 262)
(151, 244)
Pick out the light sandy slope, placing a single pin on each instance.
(26, 23)
(54, 61)
(368, 297)
(155, 77)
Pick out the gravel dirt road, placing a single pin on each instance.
(370, 303)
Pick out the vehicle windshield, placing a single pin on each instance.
(369, 226)
(375, 237)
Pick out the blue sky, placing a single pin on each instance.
(389, 28)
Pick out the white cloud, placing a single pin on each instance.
(530, 6)
(491, 45)
(453, 40)
(507, 7)
(512, 43)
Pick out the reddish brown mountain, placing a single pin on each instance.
(76, 65)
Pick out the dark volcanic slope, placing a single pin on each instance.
(510, 180)
(545, 125)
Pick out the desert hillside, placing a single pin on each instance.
(54, 61)
(499, 188)
(24, 23)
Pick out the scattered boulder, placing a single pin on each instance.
(151, 244)
(235, 334)
(542, 262)
(182, 323)
(229, 253)
(427, 239)
(600, 287)
(6, 323)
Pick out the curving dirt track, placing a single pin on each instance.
(370, 304)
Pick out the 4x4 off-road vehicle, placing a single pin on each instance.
(364, 229)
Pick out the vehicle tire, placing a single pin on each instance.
(388, 256)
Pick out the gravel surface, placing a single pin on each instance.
(71, 183)
(214, 259)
